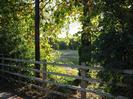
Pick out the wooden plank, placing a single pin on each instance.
(61, 85)
(44, 71)
(90, 80)
(130, 72)
(41, 88)
(53, 63)
(83, 83)
(55, 92)
(49, 91)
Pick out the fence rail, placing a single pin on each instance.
(52, 63)
(58, 74)
(83, 78)
(98, 68)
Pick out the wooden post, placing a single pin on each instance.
(44, 73)
(44, 70)
(83, 83)
(2, 61)
(2, 67)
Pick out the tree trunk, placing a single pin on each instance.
(37, 38)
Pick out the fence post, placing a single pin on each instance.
(2, 66)
(83, 83)
(2, 61)
(44, 71)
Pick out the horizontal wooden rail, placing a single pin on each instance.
(90, 80)
(126, 71)
(53, 63)
(41, 88)
(61, 85)
(80, 67)
(49, 91)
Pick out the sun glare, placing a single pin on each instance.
(74, 27)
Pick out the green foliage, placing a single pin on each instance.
(12, 40)
(107, 40)
(17, 29)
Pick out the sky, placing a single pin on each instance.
(74, 27)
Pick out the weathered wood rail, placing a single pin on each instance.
(45, 80)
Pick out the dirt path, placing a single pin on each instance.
(8, 95)
(7, 91)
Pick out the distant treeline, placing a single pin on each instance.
(63, 45)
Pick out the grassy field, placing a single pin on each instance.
(67, 56)
(64, 57)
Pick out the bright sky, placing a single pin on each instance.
(74, 27)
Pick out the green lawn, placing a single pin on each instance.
(68, 56)
(64, 57)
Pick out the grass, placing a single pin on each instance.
(67, 56)
(64, 57)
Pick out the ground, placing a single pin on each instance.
(66, 56)
(8, 95)
(8, 92)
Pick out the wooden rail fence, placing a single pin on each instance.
(82, 88)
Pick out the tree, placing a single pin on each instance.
(107, 38)
(12, 41)
(115, 43)
(37, 35)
